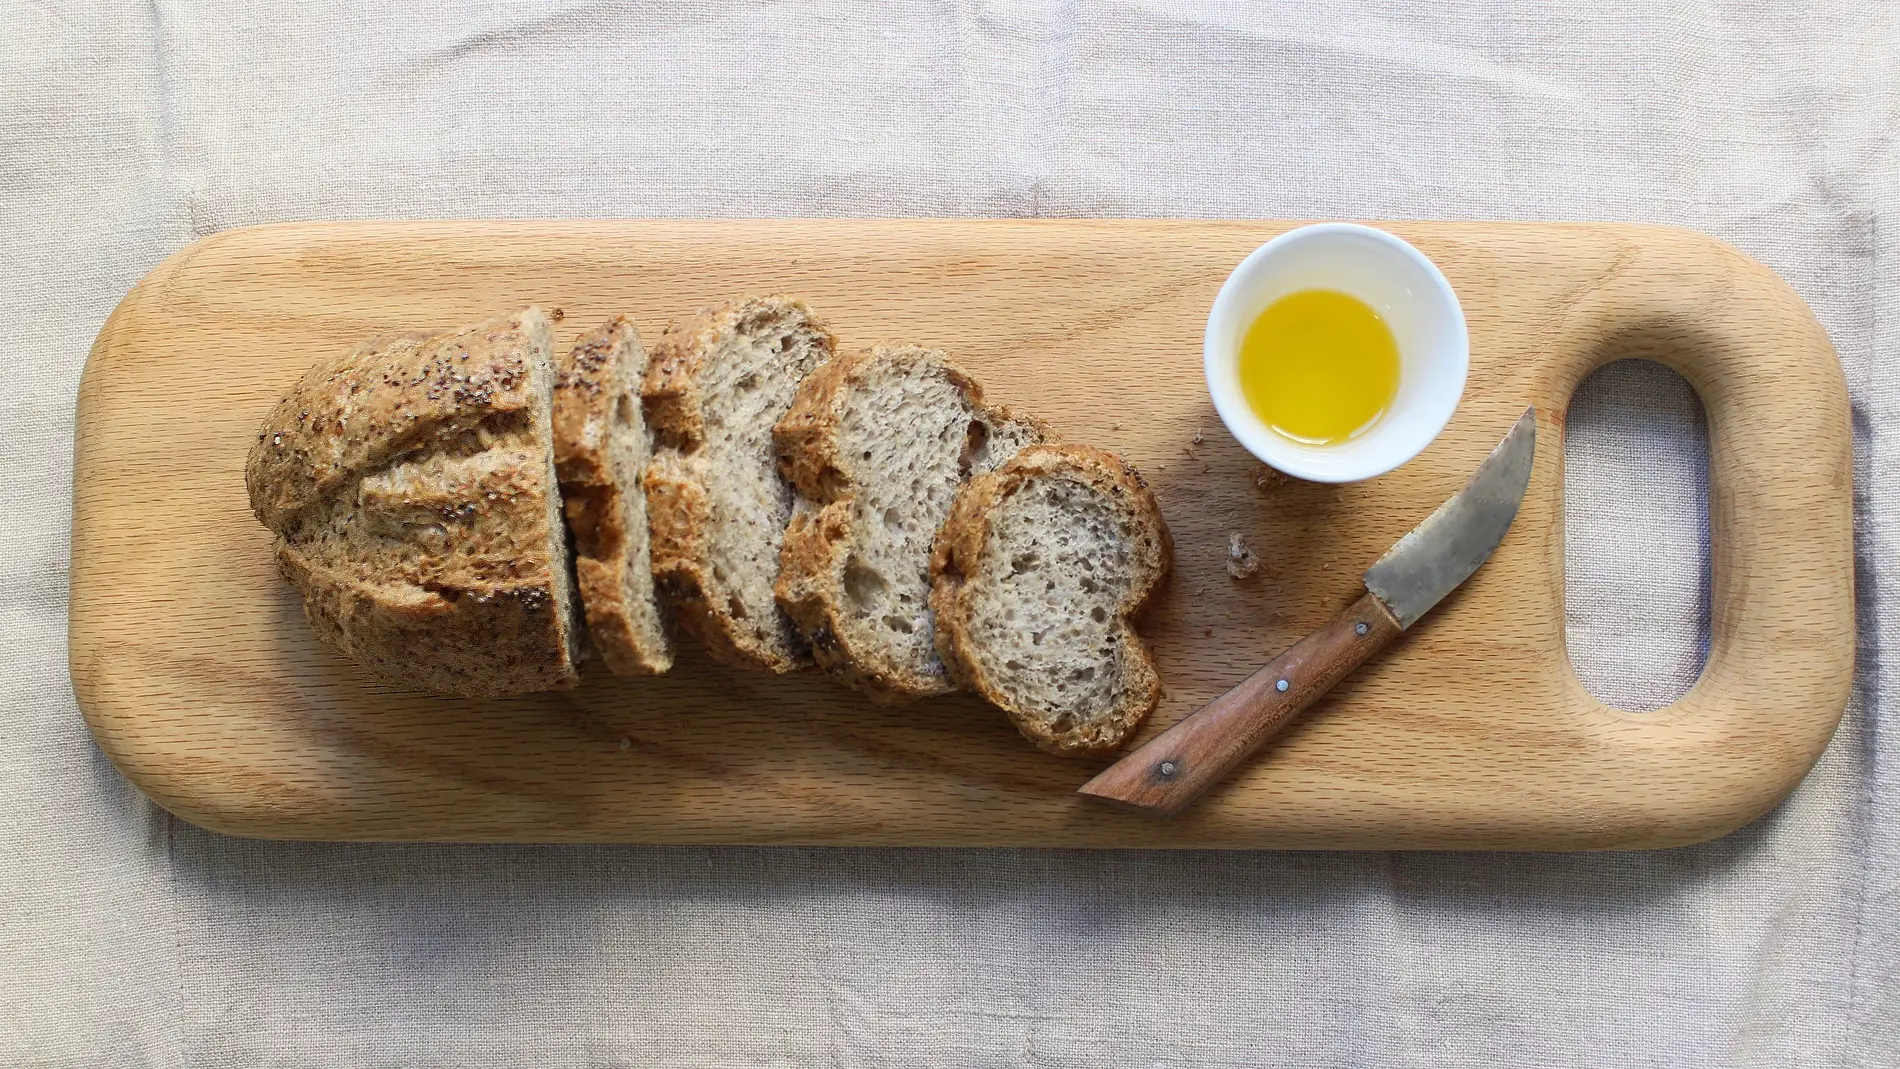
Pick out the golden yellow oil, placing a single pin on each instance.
(1319, 366)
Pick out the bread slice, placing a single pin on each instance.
(410, 487)
(877, 444)
(1037, 575)
(716, 502)
(601, 450)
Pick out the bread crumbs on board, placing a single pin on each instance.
(1241, 561)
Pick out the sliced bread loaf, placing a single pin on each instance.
(1037, 574)
(601, 450)
(877, 444)
(410, 487)
(716, 502)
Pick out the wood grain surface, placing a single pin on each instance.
(198, 675)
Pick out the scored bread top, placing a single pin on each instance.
(601, 450)
(717, 504)
(877, 443)
(1037, 575)
(388, 396)
(410, 487)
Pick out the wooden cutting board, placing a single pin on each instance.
(196, 671)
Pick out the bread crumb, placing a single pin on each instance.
(626, 743)
(1266, 477)
(557, 315)
(1114, 426)
(1198, 436)
(1241, 562)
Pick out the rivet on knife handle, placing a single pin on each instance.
(1172, 770)
(1198, 752)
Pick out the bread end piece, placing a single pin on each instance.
(1037, 576)
(411, 491)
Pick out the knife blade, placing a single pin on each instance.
(1165, 775)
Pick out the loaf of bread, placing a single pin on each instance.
(873, 512)
(877, 444)
(1037, 574)
(717, 504)
(601, 451)
(411, 490)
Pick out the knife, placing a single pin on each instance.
(1175, 767)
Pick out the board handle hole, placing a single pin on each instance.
(1636, 535)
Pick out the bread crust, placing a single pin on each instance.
(680, 510)
(960, 551)
(811, 586)
(410, 490)
(616, 588)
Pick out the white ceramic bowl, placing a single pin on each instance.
(1408, 292)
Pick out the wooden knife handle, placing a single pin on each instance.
(1176, 766)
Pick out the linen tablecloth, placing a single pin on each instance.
(128, 938)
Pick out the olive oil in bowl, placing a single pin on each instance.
(1335, 352)
(1319, 367)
